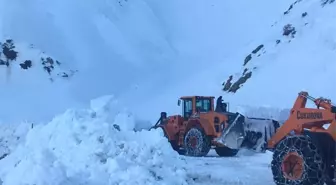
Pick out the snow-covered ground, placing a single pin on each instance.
(247, 168)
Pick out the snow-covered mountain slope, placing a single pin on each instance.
(221, 30)
(297, 53)
(132, 49)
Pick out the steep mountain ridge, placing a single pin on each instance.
(297, 54)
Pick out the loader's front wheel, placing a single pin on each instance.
(196, 142)
(297, 161)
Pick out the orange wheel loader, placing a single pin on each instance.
(305, 145)
(201, 127)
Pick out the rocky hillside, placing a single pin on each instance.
(16, 56)
(301, 37)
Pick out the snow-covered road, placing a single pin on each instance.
(247, 168)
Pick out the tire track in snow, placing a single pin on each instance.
(247, 168)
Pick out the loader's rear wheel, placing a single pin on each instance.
(226, 152)
(297, 161)
(196, 142)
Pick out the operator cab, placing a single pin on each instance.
(193, 104)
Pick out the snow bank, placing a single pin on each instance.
(11, 135)
(93, 146)
(277, 114)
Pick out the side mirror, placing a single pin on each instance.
(179, 102)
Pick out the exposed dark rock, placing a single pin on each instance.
(8, 50)
(247, 59)
(117, 127)
(7, 54)
(304, 14)
(26, 64)
(287, 11)
(245, 70)
(236, 86)
(49, 64)
(325, 2)
(228, 83)
(3, 156)
(257, 49)
(288, 29)
(291, 7)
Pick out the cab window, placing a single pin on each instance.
(203, 105)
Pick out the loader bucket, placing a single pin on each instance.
(233, 135)
(249, 133)
(258, 132)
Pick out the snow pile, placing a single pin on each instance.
(11, 135)
(94, 146)
(274, 113)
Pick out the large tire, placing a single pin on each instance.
(308, 167)
(196, 142)
(226, 152)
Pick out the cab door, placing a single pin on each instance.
(187, 108)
